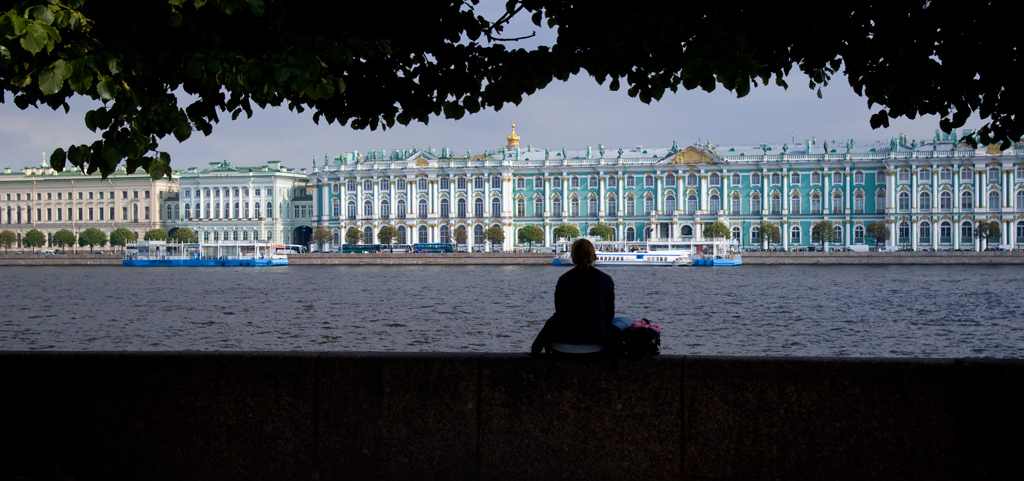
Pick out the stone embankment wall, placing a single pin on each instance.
(332, 416)
(514, 258)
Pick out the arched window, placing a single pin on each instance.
(256, 209)
(794, 235)
(945, 232)
(613, 182)
(903, 232)
(350, 186)
(880, 202)
(945, 175)
(924, 202)
(755, 203)
(1020, 231)
(945, 201)
(170, 212)
(837, 203)
(794, 204)
(670, 179)
(648, 181)
(495, 206)
(350, 208)
(478, 234)
(691, 204)
(446, 232)
(858, 234)
(837, 177)
(815, 204)
(520, 207)
(714, 180)
(556, 206)
(574, 207)
(613, 206)
(461, 208)
(367, 208)
(670, 204)
(736, 207)
(966, 232)
(335, 189)
(270, 211)
(858, 177)
(630, 234)
(423, 235)
(337, 238)
(994, 201)
(478, 207)
(556, 183)
(838, 229)
(421, 208)
(574, 182)
(736, 233)
(686, 231)
(402, 238)
(794, 178)
(538, 207)
(736, 180)
(234, 235)
(993, 175)
(385, 209)
(755, 179)
(966, 201)
(400, 209)
(966, 174)
(520, 183)
(422, 186)
(1020, 200)
(445, 208)
(755, 234)
(188, 211)
(924, 232)
(691, 180)
(903, 202)
(903, 176)
(592, 208)
(368, 235)
(816, 178)
(630, 206)
(776, 179)
(714, 204)
(648, 205)
(592, 182)
(776, 205)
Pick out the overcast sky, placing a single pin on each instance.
(573, 114)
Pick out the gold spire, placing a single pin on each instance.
(513, 139)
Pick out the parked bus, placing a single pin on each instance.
(361, 248)
(433, 248)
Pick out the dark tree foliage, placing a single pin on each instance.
(909, 58)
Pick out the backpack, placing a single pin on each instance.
(641, 339)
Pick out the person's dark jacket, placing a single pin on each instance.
(584, 307)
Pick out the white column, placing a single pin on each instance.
(702, 177)
(826, 195)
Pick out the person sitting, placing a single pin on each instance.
(584, 309)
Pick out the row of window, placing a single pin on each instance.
(17, 215)
(422, 235)
(421, 208)
(213, 211)
(81, 195)
(215, 192)
(235, 235)
(994, 174)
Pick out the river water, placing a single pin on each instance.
(845, 311)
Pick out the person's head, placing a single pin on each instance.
(583, 254)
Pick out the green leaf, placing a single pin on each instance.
(114, 65)
(43, 14)
(58, 159)
(34, 39)
(257, 7)
(49, 82)
(106, 88)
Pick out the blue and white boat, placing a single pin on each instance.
(661, 258)
(225, 254)
(706, 252)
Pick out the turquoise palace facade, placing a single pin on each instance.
(930, 193)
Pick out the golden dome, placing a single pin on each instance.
(513, 139)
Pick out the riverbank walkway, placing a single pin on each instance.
(280, 416)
